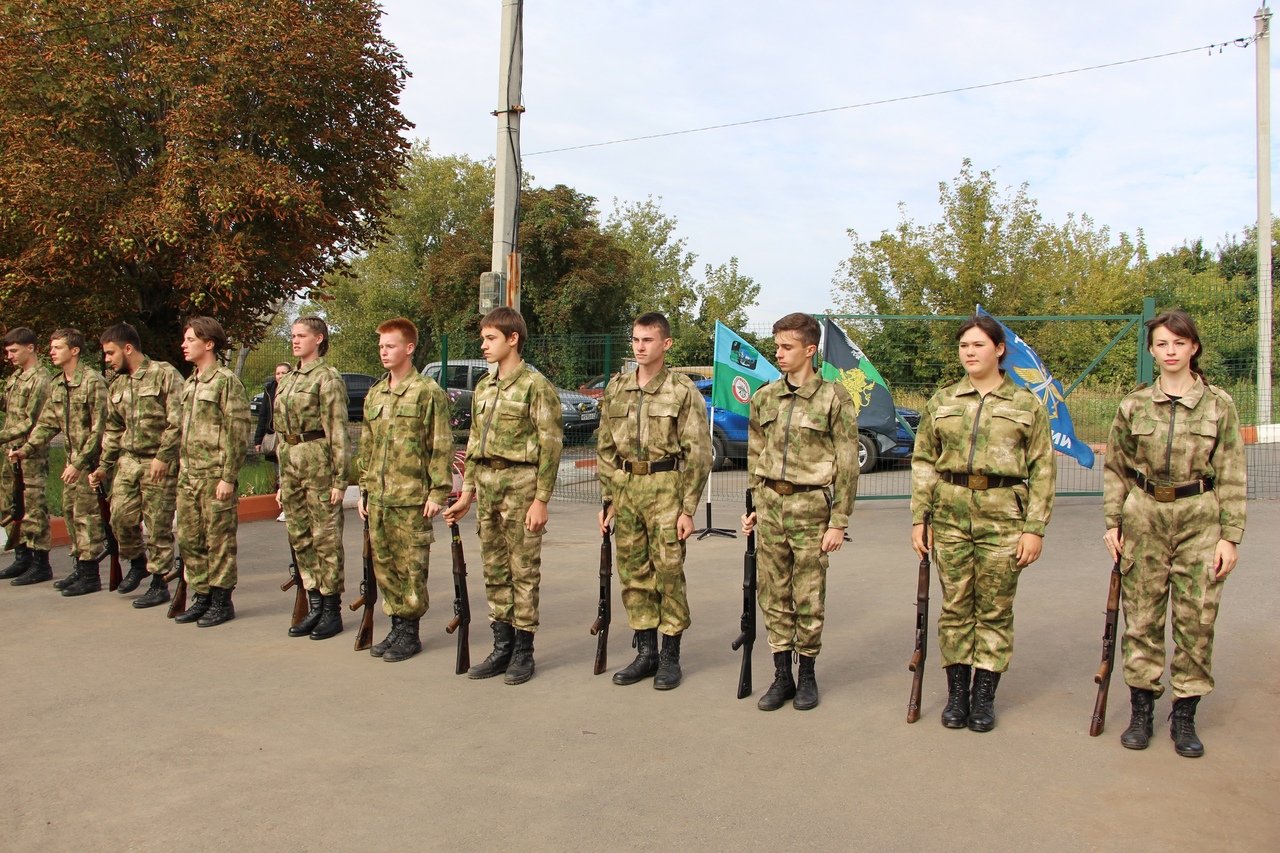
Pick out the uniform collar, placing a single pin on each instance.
(504, 382)
(77, 376)
(143, 367)
(1004, 390)
(403, 385)
(207, 375)
(310, 366)
(807, 390)
(632, 381)
(1189, 399)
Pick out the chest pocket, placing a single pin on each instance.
(1143, 426)
(208, 395)
(407, 410)
(374, 412)
(812, 422)
(619, 410)
(149, 392)
(117, 399)
(662, 421)
(512, 409)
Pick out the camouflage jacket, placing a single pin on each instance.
(77, 408)
(1173, 443)
(666, 419)
(25, 394)
(516, 418)
(808, 437)
(215, 426)
(1004, 434)
(144, 415)
(313, 398)
(406, 443)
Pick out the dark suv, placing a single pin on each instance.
(358, 385)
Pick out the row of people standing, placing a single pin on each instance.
(157, 443)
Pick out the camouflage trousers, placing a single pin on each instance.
(650, 554)
(975, 536)
(512, 555)
(35, 524)
(1168, 560)
(400, 538)
(83, 518)
(207, 535)
(136, 500)
(791, 568)
(313, 524)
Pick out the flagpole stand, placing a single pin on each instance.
(704, 532)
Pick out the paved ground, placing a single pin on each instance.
(123, 731)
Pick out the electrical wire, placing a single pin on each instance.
(1239, 42)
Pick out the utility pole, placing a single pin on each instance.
(1262, 52)
(501, 286)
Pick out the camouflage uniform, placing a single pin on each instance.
(807, 437)
(666, 419)
(406, 456)
(976, 531)
(515, 422)
(25, 394)
(77, 408)
(311, 419)
(215, 437)
(144, 422)
(1169, 546)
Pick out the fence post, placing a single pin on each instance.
(1146, 364)
(608, 357)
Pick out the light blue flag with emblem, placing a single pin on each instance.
(1026, 368)
(739, 370)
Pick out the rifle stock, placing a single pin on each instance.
(112, 548)
(301, 607)
(461, 621)
(179, 602)
(747, 638)
(1103, 677)
(921, 650)
(368, 590)
(604, 607)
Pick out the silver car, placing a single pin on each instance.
(579, 413)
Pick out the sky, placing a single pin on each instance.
(1167, 146)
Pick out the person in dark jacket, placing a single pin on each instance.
(264, 414)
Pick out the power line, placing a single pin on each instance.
(129, 18)
(1240, 42)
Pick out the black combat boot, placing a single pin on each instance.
(520, 669)
(956, 714)
(199, 606)
(500, 658)
(645, 643)
(220, 608)
(406, 644)
(783, 688)
(137, 571)
(39, 571)
(1138, 735)
(982, 716)
(669, 675)
(69, 580)
(806, 686)
(89, 580)
(157, 593)
(380, 649)
(330, 624)
(308, 624)
(1183, 727)
(21, 562)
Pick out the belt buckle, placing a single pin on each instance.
(1166, 494)
(640, 468)
(784, 488)
(979, 482)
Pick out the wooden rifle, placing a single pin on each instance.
(604, 608)
(922, 628)
(747, 638)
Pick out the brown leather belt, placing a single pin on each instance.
(655, 467)
(501, 464)
(1168, 494)
(782, 487)
(981, 482)
(299, 438)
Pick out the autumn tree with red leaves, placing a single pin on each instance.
(213, 158)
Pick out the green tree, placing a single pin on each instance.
(661, 266)
(215, 158)
(724, 294)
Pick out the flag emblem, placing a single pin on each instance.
(741, 390)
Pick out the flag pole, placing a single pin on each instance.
(704, 532)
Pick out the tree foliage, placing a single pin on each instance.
(216, 158)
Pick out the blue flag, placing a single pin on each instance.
(1026, 368)
(739, 370)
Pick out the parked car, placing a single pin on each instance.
(358, 385)
(579, 413)
(729, 437)
(594, 387)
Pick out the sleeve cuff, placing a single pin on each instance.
(1234, 535)
(543, 495)
(839, 521)
(1036, 527)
